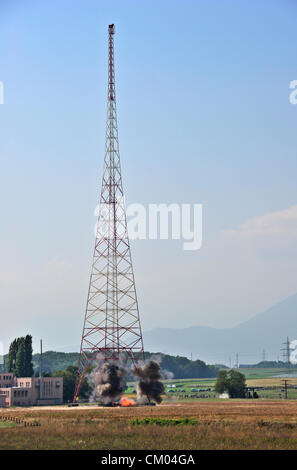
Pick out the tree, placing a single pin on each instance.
(12, 353)
(69, 377)
(221, 383)
(231, 382)
(28, 366)
(20, 370)
(20, 357)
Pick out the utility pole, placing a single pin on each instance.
(40, 373)
(286, 388)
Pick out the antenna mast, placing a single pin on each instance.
(112, 326)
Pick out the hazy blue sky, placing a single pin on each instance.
(204, 117)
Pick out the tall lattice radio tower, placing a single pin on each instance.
(111, 325)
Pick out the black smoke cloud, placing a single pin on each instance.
(150, 386)
(109, 381)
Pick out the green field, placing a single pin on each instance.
(254, 373)
(181, 384)
(270, 379)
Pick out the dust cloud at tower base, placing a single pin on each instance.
(108, 382)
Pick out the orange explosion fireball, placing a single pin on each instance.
(127, 401)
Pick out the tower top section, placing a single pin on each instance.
(111, 77)
(111, 29)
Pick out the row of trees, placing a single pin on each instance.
(183, 368)
(19, 360)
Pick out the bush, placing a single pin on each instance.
(164, 421)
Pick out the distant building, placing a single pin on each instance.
(25, 391)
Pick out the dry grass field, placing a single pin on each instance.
(270, 382)
(237, 424)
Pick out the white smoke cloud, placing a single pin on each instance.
(293, 354)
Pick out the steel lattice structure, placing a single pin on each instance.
(111, 325)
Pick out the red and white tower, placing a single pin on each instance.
(111, 325)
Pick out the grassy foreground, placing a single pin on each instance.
(236, 424)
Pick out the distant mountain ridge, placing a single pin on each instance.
(265, 331)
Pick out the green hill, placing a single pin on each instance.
(180, 367)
